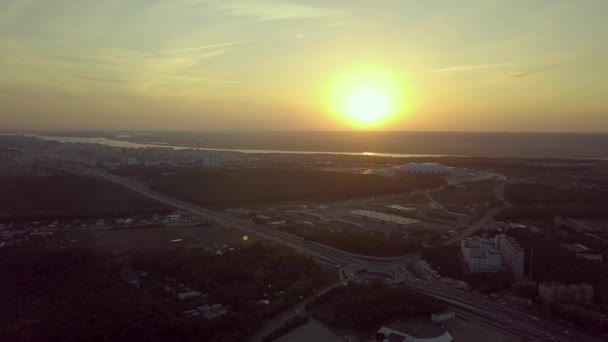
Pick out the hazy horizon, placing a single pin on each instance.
(505, 66)
(77, 131)
(393, 144)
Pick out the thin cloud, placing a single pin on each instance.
(196, 48)
(100, 79)
(539, 69)
(457, 68)
(219, 80)
(228, 81)
(269, 10)
(208, 47)
(519, 74)
(525, 69)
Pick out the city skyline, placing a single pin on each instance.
(276, 65)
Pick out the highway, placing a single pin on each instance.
(525, 325)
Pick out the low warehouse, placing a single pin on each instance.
(402, 222)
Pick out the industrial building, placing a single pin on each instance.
(584, 252)
(401, 210)
(551, 292)
(400, 221)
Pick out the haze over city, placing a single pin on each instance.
(304, 65)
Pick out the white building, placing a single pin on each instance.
(187, 295)
(480, 255)
(211, 160)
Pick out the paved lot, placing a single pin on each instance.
(463, 330)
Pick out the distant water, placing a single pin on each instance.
(128, 144)
(392, 144)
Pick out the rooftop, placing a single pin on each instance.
(384, 217)
(575, 247)
(401, 208)
(514, 244)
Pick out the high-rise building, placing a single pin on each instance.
(480, 255)
(513, 256)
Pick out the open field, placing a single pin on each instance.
(122, 240)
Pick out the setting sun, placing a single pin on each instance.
(366, 100)
(367, 105)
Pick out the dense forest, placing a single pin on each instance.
(251, 186)
(69, 197)
(378, 244)
(239, 276)
(552, 261)
(544, 202)
(472, 193)
(364, 306)
(80, 295)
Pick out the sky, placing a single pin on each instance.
(487, 65)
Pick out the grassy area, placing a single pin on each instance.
(355, 241)
(364, 306)
(69, 197)
(122, 240)
(251, 186)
